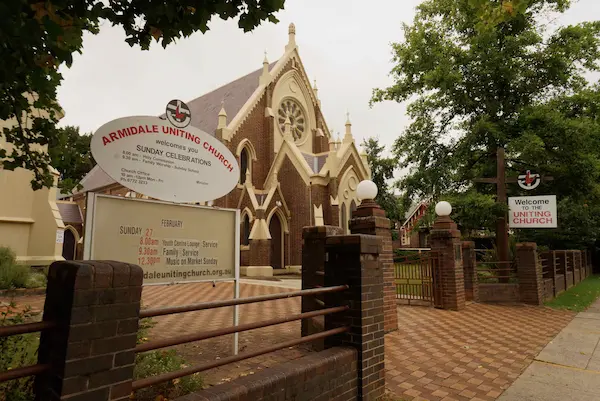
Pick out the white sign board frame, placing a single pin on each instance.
(150, 156)
(90, 225)
(532, 212)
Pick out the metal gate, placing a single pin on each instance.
(417, 279)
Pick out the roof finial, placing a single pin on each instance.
(348, 136)
(287, 130)
(222, 116)
(291, 37)
(248, 177)
(265, 77)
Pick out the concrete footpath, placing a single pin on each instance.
(568, 368)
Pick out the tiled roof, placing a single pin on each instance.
(70, 213)
(205, 114)
(205, 109)
(95, 179)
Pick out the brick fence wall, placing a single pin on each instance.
(498, 292)
(324, 376)
(540, 277)
(95, 309)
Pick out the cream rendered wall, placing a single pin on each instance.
(29, 219)
(290, 85)
(347, 193)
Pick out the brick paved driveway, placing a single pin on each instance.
(472, 355)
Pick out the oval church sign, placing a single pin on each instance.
(152, 156)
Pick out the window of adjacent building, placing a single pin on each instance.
(246, 230)
(244, 165)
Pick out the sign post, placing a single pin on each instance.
(175, 163)
(527, 181)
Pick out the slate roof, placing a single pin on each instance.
(70, 213)
(96, 178)
(205, 109)
(205, 116)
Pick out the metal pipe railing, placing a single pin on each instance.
(25, 371)
(240, 301)
(149, 346)
(18, 329)
(150, 381)
(25, 328)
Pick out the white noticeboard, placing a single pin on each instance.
(532, 212)
(172, 243)
(151, 156)
(60, 236)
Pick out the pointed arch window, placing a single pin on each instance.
(244, 165)
(352, 209)
(246, 230)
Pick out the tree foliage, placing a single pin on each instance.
(71, 155)
(39, 36)
(382, 170)
(482, 75)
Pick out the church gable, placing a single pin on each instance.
(292, 101)
(233, 96)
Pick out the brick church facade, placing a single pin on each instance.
(294, 173)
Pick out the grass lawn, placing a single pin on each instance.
(579, 297)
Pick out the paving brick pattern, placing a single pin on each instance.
(472, 355)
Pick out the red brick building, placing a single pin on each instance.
(410, 235)
(293, 172)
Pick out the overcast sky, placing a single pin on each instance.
(344, 44)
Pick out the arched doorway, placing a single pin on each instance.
(69, 244)
(276, 231)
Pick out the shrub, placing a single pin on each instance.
(158, 362)
(36, 280)
(17, 351)
(154, 363)
(12, 275)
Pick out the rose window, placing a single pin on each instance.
(290, 108)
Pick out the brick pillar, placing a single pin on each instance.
(370, 219)
(313, 261)
(446, 248)
(586, 262)
(260, 252)
(561, 265)
(469, 264)
(353, 260)
(335, 215)
(578, 267)
(570, 269)
(96, 306)
(553, 267)
(529, 272)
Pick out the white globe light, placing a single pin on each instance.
(366, 190)
(443, 208)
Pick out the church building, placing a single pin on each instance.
(294, 173)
